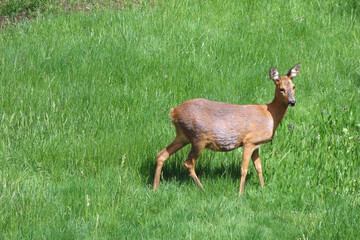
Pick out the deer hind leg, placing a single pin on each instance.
(190, 163)
(247, 152)
(164, 154)
(256, 160)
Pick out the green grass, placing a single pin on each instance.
(84, 110)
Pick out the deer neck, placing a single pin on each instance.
(277, 110)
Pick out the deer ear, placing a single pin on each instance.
(294, 71)
(274, 74)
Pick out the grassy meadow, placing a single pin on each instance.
(85, 97)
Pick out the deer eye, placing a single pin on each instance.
(294, 87)
(282, 90)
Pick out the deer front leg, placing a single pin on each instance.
(256, 160)
(247, 152)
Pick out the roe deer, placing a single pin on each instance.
(223, 127)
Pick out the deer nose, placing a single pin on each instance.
(292, 103)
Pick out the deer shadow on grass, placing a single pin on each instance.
(174, 170)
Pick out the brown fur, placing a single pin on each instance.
(223, 126)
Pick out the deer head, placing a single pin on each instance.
(285, 88)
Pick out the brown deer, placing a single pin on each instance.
(224, 127)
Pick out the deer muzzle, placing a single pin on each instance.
(291, 99)
(292, 103)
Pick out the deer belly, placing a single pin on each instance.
(225, 143)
